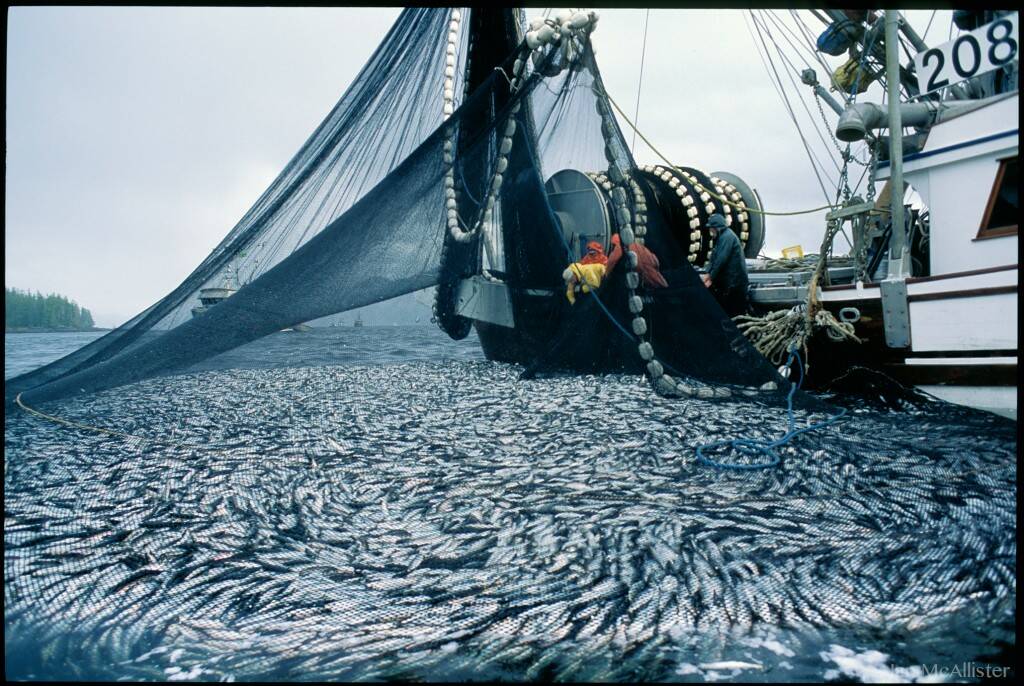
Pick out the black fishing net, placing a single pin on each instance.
(463, 519)
(359, 216)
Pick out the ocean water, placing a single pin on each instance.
(24, 352)
(380, 503)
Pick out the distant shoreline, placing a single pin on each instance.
(32, 329)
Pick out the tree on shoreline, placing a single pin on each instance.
(23, 309)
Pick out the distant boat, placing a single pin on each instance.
(358, 321)
(208, 297)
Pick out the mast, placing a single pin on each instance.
(897, 244)
(893, 289)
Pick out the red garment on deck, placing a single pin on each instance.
(647, 264)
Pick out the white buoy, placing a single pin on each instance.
(666, 385)
(684, 389)
(546, 33)
(579, 20)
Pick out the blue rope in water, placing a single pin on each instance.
(743, 445)
(753, 447)
(749, 446)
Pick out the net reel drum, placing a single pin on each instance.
(582, 203)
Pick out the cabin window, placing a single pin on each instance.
(1003, 205)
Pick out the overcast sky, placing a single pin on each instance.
(137, 137)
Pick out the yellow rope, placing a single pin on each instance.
(701, 187)
(95, 429)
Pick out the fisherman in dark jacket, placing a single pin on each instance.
(727, 269)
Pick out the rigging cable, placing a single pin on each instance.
(805, 31)
(781, 90)
(787, 32)
(639, 84)
(934, 12)
(710, 191)
(796, 88)
(792, 116)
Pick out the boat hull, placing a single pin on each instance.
(962, 331)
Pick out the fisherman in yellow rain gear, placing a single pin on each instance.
(582, 278)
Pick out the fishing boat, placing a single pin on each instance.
(208, 297)
(935, 305)
(507, 97)
(358, 323)
(932, 305)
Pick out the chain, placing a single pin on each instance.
(872, 169)
(862, 253)
(845, 154)
(844, 180)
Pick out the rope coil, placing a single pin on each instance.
(753, 447)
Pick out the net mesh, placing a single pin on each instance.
(312, 521)
(358, 216)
